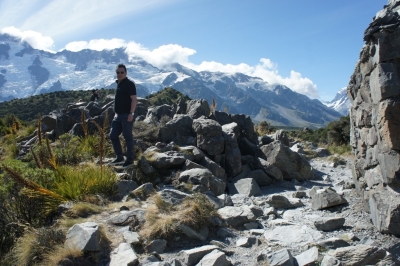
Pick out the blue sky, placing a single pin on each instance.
(311, 46)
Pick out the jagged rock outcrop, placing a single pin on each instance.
(374, 92)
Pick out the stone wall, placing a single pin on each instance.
(374, 92)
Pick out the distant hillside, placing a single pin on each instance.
(166, 96)
(27, 108)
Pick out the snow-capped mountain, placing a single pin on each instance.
(25, 71)
(340, 103)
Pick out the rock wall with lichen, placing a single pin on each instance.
(374, 92)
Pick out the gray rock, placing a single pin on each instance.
(236, 216)
(123, 255)
(330, 261)
(225, 232)
(217, 185)
(84, 237)
(260, 177)
(281, 136)
(329, 224)
(215, 169)
(198, 108)
(333, 243)
(251, 225)
(325, 198)
(191, 165)
(157, 245)
(358, 255)
(144, 190)
(270, 169)
(172, 196)
(307, 258)
(214, 258)
(385, 208)
(178, 130)
(299, 194)
(246, 186)
(279, 201)
(196, 176)
(233, 162)
(291, 164)
(282, 258)
(292, 235)
(314, 190)
(297, 148)
(368, 241)
(124, 187)
(209, 136)
(194, 255)
(124, 218)
(168, 159)
(226, 199)
(246, 242)
(131, 237)
(202, 234)
(154, 114)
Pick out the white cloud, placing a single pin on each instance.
(97, 44)
(35, 39)
(268, 71)
(161, 56)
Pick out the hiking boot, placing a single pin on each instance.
(117, 162)
(127, 165)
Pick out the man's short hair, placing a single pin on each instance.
(93, 90)
(122, 66)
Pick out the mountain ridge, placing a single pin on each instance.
(29, 71)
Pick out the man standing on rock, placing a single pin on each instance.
(124, 107)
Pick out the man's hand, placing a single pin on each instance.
(130, 117)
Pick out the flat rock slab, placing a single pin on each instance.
(282, 258)
(308, 257)
(333, 243)
(215, 258)
(292, 235)
(124, 218)
(236, 216)
(358, 255)
(279, 201)
(329, 224)
(194, 255)
(325, 198)
(123, 255)
(131, 237)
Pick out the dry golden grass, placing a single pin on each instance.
(163, 219)
(84, 209)
(60, 254)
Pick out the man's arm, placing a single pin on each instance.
(133, 107)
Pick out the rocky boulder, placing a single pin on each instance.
(157, 112)
(325, 198)
(179, 130)
(198, 108)
(291, 164)
(84, 237)
(209, 136)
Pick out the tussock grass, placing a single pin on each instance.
(74, 182)
(84, 209)
(163, 219)
(61, 254)
(32, 248)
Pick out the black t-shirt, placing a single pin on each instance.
(125, 89)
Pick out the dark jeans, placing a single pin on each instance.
(120, 125)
